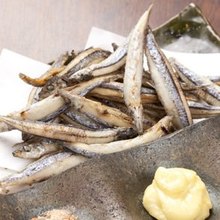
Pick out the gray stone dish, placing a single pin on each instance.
(112, 186)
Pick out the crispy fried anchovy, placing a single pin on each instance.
(56, 68)
(215, 79)
(98, 111)
(85, 87)
(147, 81)
(154, 111)
(118, 105)
(54, 115)
(69, 57)
(35, 148)
(52, 86)
(147, 123)
(163, 127)
(166, 84)
(113, 85)
(41, 109)
(117, 95)
(152, 116)
(114, 62)
(190, 88)
(198, 110)
(201, 110)
(108, 94)
(54, 103)
(134, 71)
(40, 170)
(33, 96)
(120, 86)
(81, 88)
(150, 119)
(67, 120)
(41, 81)
(68, 133)
(82, 119)
(82, 60)
(210, 92)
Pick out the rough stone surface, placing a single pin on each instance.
(112, 186)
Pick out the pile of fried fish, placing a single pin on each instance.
(96, 102)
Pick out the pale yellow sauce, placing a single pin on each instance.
(177, 194)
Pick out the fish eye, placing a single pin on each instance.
(50, 87)
(27, 148)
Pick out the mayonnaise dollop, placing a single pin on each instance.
(177, 193)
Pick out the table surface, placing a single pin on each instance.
(44, 29)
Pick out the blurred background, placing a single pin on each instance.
(44, 29)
